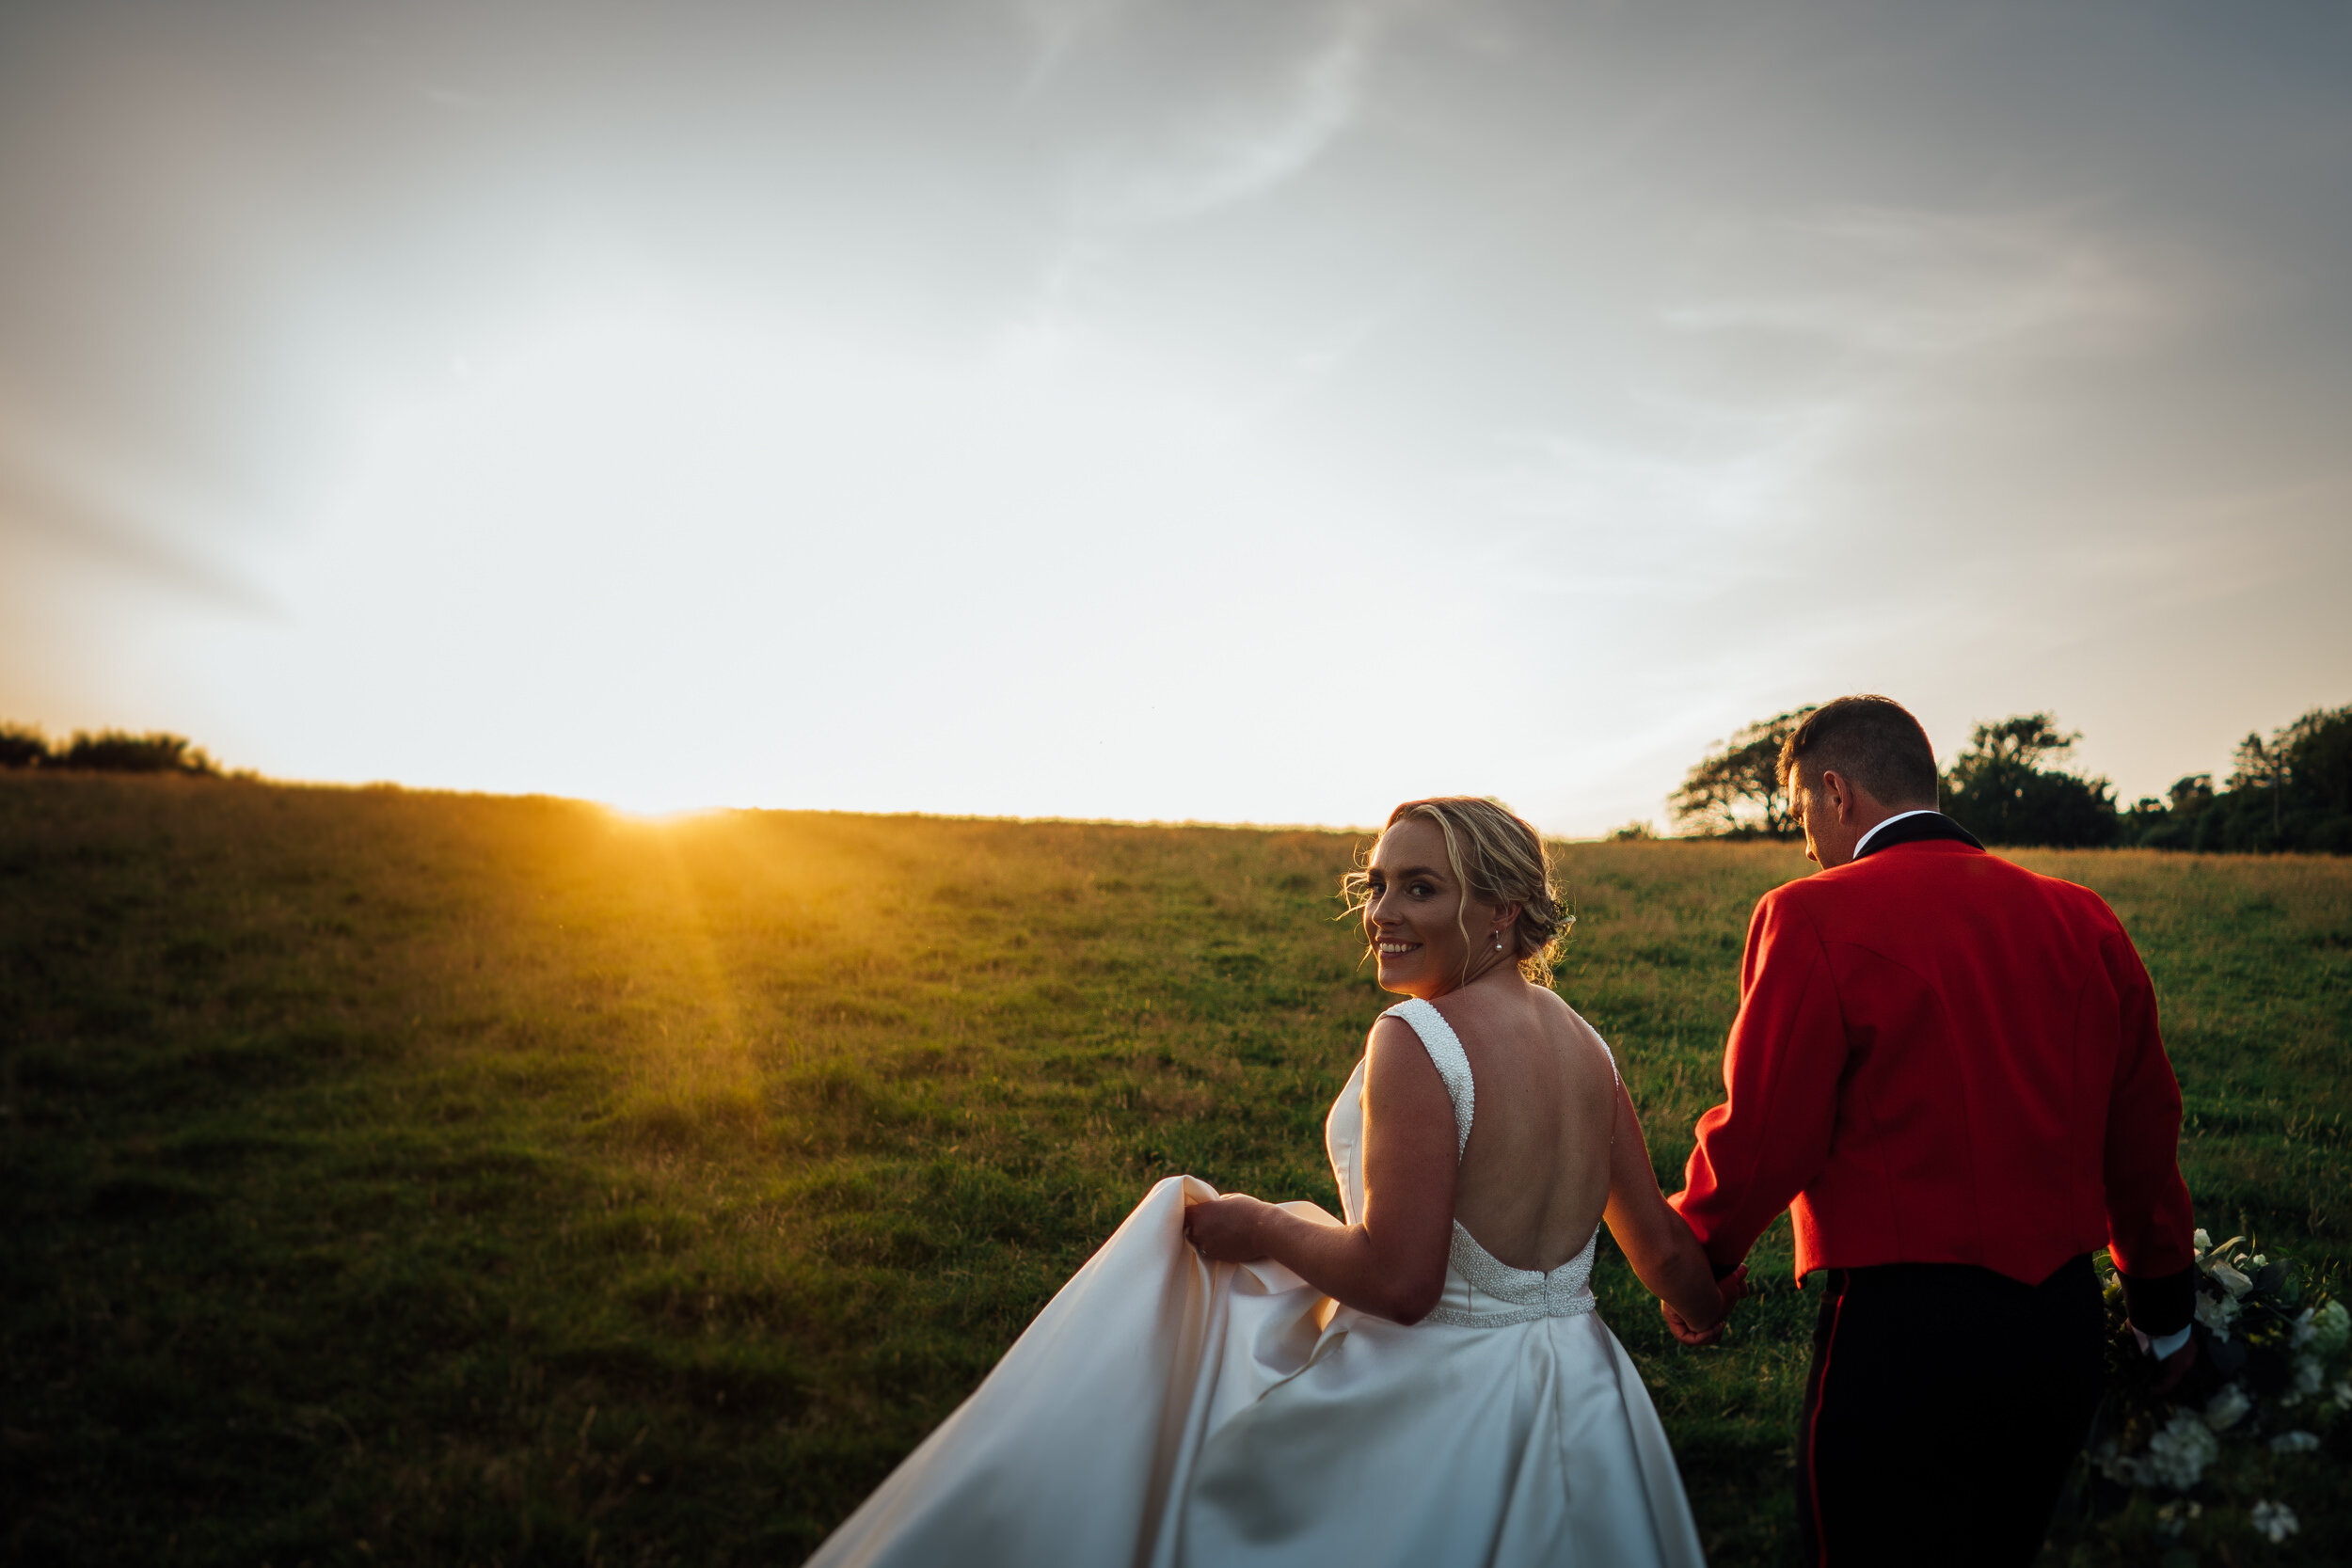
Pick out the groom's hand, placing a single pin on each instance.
(2177, 1366)
(1733, 1286)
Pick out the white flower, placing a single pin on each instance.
(2310, 1376)
(2275, 1520)
(2343, 1393)
(2232, 1281)
(2202, 1242)
(2260, 1259)
(2225, 1409)
(2178, 1455)
(2216, 1313)
(2330, 1328)
(2294, 1441)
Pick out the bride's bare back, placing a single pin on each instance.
(1535, 1176)
(1554, 1145)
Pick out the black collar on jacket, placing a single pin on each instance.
(1914, 830)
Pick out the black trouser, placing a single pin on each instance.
(1945, 1404)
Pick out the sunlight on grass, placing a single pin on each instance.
(696, 1077)
(514, 1180)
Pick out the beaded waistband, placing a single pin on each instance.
(1522, 1295)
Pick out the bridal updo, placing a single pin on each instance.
(1501, 857)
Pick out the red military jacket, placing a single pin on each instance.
(1943, 1057)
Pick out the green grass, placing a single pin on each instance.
(425, 1178)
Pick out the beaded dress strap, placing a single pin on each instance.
(1445, 1054)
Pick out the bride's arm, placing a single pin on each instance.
(1392, 1264)
(1666, 1256)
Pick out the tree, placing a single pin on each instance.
(120, 751)
(2191, 795)
(2315, 755)
(22, 745)
(2293, 791)
(2023, 742)
(1737, 790)
(2263, 769)
(2000, 790)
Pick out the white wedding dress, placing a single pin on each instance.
(1163, 1412)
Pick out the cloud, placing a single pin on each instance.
(1908, 284)
(1058, 26)
(1239, 154)
(1239, 139)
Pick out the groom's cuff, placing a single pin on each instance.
(2162, 1347)
(2160, 1305)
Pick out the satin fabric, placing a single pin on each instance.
(1170, 1412)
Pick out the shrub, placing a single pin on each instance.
(22, 745)
(120, 751)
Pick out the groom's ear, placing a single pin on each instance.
(1836, 792)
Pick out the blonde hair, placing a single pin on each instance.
(1499, 857)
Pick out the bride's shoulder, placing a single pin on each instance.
(1563, 1022)
(1390, 1034)
(1555, 1008)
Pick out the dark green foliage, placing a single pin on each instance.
(2000, 790)
(2290, 792)
(120, 751)
(22, 745)
(1737, 791)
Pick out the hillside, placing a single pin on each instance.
(445, 1178)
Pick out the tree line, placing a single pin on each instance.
(22, 745)
(2011, 785)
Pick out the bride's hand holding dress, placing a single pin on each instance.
(1403, 1278)
(1422, 1380)
(1392, 1263)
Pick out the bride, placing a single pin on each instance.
(1426, 1383)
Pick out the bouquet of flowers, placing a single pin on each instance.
(2267, 1396)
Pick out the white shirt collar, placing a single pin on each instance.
(1864, 842)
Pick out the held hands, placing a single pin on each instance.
(2177, 1366)
(1225, 1230)
(1733, 1286)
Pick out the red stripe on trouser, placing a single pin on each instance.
(1813, 1433)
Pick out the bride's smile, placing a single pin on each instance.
(1428, 936)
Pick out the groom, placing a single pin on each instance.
(1951, 1066)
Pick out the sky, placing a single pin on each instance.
(1222, 411)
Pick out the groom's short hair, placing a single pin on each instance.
(1872, 741)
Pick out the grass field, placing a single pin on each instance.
(404, 1178)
